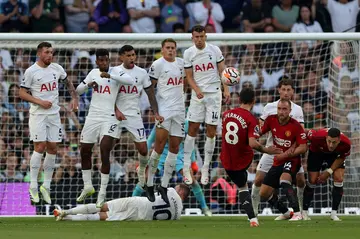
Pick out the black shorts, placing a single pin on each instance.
(239, 177)
(318, 161)
(272, 177)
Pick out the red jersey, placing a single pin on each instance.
(238, 125)
(284, 136)
(318, 143)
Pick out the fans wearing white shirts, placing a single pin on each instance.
(203, 64)
(286, 91)
(40, 87)
(343, 14)
(142, 14)
(168, 74)
(100, 120)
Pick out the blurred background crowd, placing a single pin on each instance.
(325, 75)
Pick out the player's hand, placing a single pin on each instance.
(273, 150)
(93, 85)
(104, 75)
(74, 105)
(227, 98)
(199, 94)
(45, 104)
(119, 115)
(323, 177)
(159, 118)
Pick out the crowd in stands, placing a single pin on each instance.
(326, 74)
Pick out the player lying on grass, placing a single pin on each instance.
(288, 135)
(195, 186)
(330, 147)
(130, 208)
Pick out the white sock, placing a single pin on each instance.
(255, 197)
(169, 168)
(333, 213)
(153, 164)
(83, 209)
(35, 163)
(300, 195)
(143, 162)
(189, 145)
(104, 182)
(209, 151)
(86, 175)
(49, 166)
(85, 217)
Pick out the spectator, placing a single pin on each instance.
(142, 14)
(45, 14)
(343, 14)
(178, 28)
(111, 16)
(14, 16)
(58, 28)
(256, 15)
(173, 12)
(305, 24)
(284, 15)
(18, 108)
(309, 114)
(6, 59)
(77, 15)
(207, 12)
(11, 174)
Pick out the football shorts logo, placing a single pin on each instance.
(288, 133)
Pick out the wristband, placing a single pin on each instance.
(330, 171)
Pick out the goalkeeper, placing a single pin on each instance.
(195, 186)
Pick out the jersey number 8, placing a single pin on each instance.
(231, 133)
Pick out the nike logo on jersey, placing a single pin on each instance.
(166, 71)
(37, 79)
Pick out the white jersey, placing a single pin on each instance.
(159, 210)
(104, 96)
(170, 84)
(128, 99)
(271, 109)
(43, 83)
(204, 66)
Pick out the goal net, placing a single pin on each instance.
(324, 67)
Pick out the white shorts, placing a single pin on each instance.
(174, 122)
(95, 129)
(207, 109)
(134, 124)
(122, 209)
(45, 128)
(266, 162)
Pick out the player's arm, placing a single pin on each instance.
(86, 84)
(26, 96)
(189, 75)
(74, 104)
(226, 92)
(118, 75)
(258, 147)
(153, 102)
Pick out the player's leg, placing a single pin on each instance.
(239, 177)
(262, 168)
(314, 164)
(300, 186)
(212, 119)
(337, 192)
(37, 126)
(141, 170)
(270, 182)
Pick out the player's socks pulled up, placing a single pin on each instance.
(245, 201)
(138, 191)
(169, 168)
(189, 145)
(209, 151)
(308, 195)
(143, 162)
(255, 198)
(300, 196)
(85, 217)
(288, 190)
(199, 194)
(49, 165)
(153, 164)
(83, 209)
(35, 163)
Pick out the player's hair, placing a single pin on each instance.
(126, 48)
(285, 101)
(247, 95)
(286, 81)
(102, 52)
(168, 40)
(178, 26)
(334, 132)
(185, 189)
(198, 28)
(44, 44)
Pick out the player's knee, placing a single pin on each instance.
(143, 150)
(210, 131)
(300, 180)
(311, 185)
(40, 147)
(259, 178)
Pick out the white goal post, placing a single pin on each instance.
(324, 66)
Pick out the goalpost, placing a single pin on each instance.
(325, 68)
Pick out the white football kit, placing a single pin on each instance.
(296, 113)
(206, 76)
(140, 208)
(101, 118)
(43, 83)
(170, 94)
(128, 102)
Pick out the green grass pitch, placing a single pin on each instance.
(186, 228)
